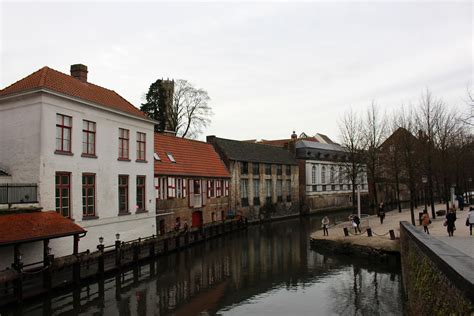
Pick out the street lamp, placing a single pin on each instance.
(424, 179)
(117, 236)
(101, 240)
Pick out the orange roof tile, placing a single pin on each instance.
(193, 158)
(47, 78)
(26, 227)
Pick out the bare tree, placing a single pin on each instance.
(408, 146)
(191, 110)
(427, 114)
(374, 132)
(178, 106)
(352, 139)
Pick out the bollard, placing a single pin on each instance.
(369, 232)
(392, 234)
(346, 232)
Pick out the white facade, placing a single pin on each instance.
(28, 141)
(327, 177)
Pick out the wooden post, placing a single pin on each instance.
(165, 245)
(101, 258)
(118, 256)
(152, 248)
(135, 252)
(18, 283)
(76, 244)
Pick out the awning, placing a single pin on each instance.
(28, 227)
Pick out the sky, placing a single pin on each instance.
(270, 68)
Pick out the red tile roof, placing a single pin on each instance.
(15, 228)
(193, 158)
(47, 78)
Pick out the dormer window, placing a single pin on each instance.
(157, 157)
(170, 157)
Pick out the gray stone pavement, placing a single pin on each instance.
(461, 240)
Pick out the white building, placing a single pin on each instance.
(89, 150)
(324, 170)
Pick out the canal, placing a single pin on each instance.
(267, 269)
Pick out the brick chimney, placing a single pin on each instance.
(79, 71)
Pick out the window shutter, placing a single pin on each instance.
(184, 187)
(204, 191)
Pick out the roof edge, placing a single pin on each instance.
(79, 100)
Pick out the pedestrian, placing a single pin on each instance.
(450, 222)
(381, 213)
(185, 226)
(425, 221)
(325, 224)
(470, 219)
(356, 223)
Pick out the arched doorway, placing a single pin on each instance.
(197, 219)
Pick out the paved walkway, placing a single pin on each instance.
(381, 239)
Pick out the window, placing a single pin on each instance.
(141, 193)
(170, 157)
(288, 190)
(279, 189)
(279, 170)
(179, 188)
(313, 174)
(197, 187)
(123, 143)
(88, 138)
(244, 192)
(256, 192)
(63, 193)
(288, 170)
(268, 191)
(123, 194)
(255, 169)
(141, 146)
(226, 193)
(268, 169)
(219, 185)
(332, 175)
(63, 133)
(171, 188)
(88, 194)
(210, 188)
(323, 174)
(244, 167)
(341, 175)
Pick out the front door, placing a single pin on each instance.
(197, 219)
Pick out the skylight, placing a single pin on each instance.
(157, 157)
(170, 157)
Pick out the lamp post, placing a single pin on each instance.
(358, 200)
(424, 179)
(469, 181)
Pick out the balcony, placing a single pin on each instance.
(18, 193)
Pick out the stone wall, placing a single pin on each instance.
(438, 279)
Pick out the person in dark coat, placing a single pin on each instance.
(381, 212)
(450, 222)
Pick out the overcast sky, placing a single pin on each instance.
(270, 68)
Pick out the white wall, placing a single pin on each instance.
(27, 139)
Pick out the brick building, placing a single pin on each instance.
(264, 178)
(191, 183)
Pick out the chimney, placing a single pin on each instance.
(211, 139)
(79, 71)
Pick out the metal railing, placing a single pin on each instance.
(18, 193)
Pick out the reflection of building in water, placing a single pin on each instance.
(224, 272)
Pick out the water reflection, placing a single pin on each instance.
(267, 269)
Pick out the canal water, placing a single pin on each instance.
(267, 269)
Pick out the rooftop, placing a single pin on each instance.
(27, 227)
(53, 80)
(253, 152)
(192, 158)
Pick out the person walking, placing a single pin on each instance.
(356, 221)
(381, 213)
(425, 221)
(450, 222)
(325, 224)
(470, 219)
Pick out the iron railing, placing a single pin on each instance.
(18, 193)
